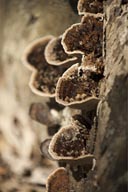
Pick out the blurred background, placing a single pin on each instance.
(22, 167)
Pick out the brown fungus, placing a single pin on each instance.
(78, 87)
(90, 6)
(55, 54)
(40, 85)
(85, 37)
(44, 77)
(97, 62)
(58, 181)
(69, 145)
(41, 113)
(44, 115)
(82, 120)
(44, 148)
(33, 55)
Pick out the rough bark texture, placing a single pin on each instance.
(111, 145)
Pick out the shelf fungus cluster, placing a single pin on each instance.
(70, 69)
(69, 148)
(44, 57)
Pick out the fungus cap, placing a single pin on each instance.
(92, 61)
(34, 86)
(90, 6)
(77, 88)
(26, 58)
(44, 148)
(85, 37)
(58, 181)
(41, 113)
(55, 54)
(69, 145)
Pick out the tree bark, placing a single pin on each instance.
(111, 144)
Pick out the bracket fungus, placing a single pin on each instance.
(55, 54)
(33, 55)
(91, 61)
(80, 119)
(70, 69)
(85, 37)
(44, 148)
(90, 6)
(69, 145)
(40, 113)
(78, 87)
(44, 76)
(58, 181)
(44, 115)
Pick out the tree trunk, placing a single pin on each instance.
(111, 144)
